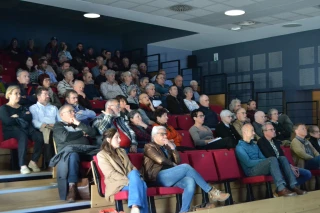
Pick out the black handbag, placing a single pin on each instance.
(22, 123)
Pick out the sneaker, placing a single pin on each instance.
(135, 210)
(217, 195)
(25, 170)
(34, 167)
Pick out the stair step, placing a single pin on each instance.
(27, 183)
(12, 176)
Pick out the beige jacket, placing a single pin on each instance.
(238, 125)
(299, 154)
(115, 172)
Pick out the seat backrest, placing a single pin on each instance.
(184, 158)
(216, 108)
(136, 159)
(1, 132)
(185, 122)
(287, 153)
(172, 121)
(186, 138)
(99, 176)
(98, 104)
(203, 163)
(227, 164)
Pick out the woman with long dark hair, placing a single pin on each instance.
(27, 64)
(120, 174)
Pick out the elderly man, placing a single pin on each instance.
(110, 118)
(241, 116)
(110, 89)
(90, 90)
(70, 136)
(135, 75)
(303, 153)
(66, 66)
(102, 76)
(194, 86)
(43, 64)
(143, 70)
(225, 129)
(254, 163)
(251, 109)
(143, 83)
(95, 70)
(162, 72)
(154, 98)
(211, 118)
(314, 137)
(78, 86)
(259, 118)
(27, 96)
(82, 114)
(271, 148)
(178, 82)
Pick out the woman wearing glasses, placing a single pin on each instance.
(203, 136)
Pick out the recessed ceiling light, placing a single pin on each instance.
(235, 28)
(292, 25)
(246, 23)
(234, 12)
(91, 15)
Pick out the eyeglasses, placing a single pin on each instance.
(162, 133)
(201, 116)
(270, 130)
(116, 106)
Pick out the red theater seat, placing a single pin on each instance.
(136, 159)
(98, 104)
(172, 121)
(203, 162)
(184, 158)
(185, 122)
(186, 138)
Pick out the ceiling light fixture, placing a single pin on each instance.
(235, 28)
(234, 12)
(246, 23)
(91, 15)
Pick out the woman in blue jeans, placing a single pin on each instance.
(120, 174)
(160, 166)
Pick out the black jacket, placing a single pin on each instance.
(281, 133)
(224, 132)
(266, 148)
(211, 118)
(314, 142)
(176, 105)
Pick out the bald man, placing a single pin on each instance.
(211, 117)
(259, 120)
(254, 163)
(78, 86)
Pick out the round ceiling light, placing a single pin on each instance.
(292, 25)
(235, 28)
(91, 15)
(234, 12)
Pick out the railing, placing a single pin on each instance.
(153, 62)
(191, 74)
(172, 68)
(135, 56)
(242, 90)
(269, 100)
(303, 112)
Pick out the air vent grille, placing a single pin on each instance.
(180, 8)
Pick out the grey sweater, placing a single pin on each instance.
(199, 136)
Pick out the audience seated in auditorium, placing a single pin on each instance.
(44, 116)
(161, 87)
(132, 97)
(190, 104)
(42, 69)
(225, 129)
(270, 147)
(303, 153)
(146, 105)
(117, 58)
(84, 70)
(90, 89)
(203, 136)
(64, 51)
(234, 105)
(161, 166)
(110, 89)
(44, 81)
(79, 52)
(155, 99)
(281, 133)
(125, 65)
(211, 117)
(178, 82)
(31, 50)
(102, 76)
(254, 163)
(141, 129)
(194, 86)
(120, 174)
(81, 113)
(27, 94)
(66, 84)
(175, 104)
(49, 67)
(90, 56)
(95, 70)
(14, 50)
(66, 66)
(17, 123)
(314, 135)
(241, 116)
(27, 64)
(52, 48)
(110, 118)
(78, 86)
(71, 138)
(135, 75)
(162, 72)
(143, 83)
(260, 120)
(143, 70)
(127, 81)
(251, 109)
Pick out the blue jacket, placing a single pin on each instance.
(249, 155)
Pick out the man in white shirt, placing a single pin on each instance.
(44, 116)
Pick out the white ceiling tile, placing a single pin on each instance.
(285, 15)
(198, 12)
(124, 4)
(298, 17)
(306, 11)
(219, 8)
(200, 3)
(265, 19)
(181, 16)
(162, 3)
(259, 25)
(239, 3)
(140, 1)
(315, 14)
(227, 26)
(102, 1)
(145, 8)
(164, 12)
(278, 21)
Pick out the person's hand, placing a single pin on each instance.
(127, 107)
(14, 116)
(133, 149)
(82, 94)
(23, 96)
(74, 121)
(295, 170)
(36, 67)
(109, 111)
(27, 112)
(80, 112)
(170, 144)
(159, 107)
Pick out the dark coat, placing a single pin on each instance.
(176, 105)
(211, 118)
(314, 142)
(224, 132)
(266, 148)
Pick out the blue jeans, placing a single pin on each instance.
(137, 191)
(314, 163)
(304, 176)
(74, 165)
(185, 177)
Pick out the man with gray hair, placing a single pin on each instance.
(162, 72)
(225, 129)
(27, 96)
(110, 118)
(259, 118)
(211, 118)
(194, 86)
(110, 89)
(95, 70)
(178, 82)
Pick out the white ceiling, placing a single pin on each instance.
(207, 17)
